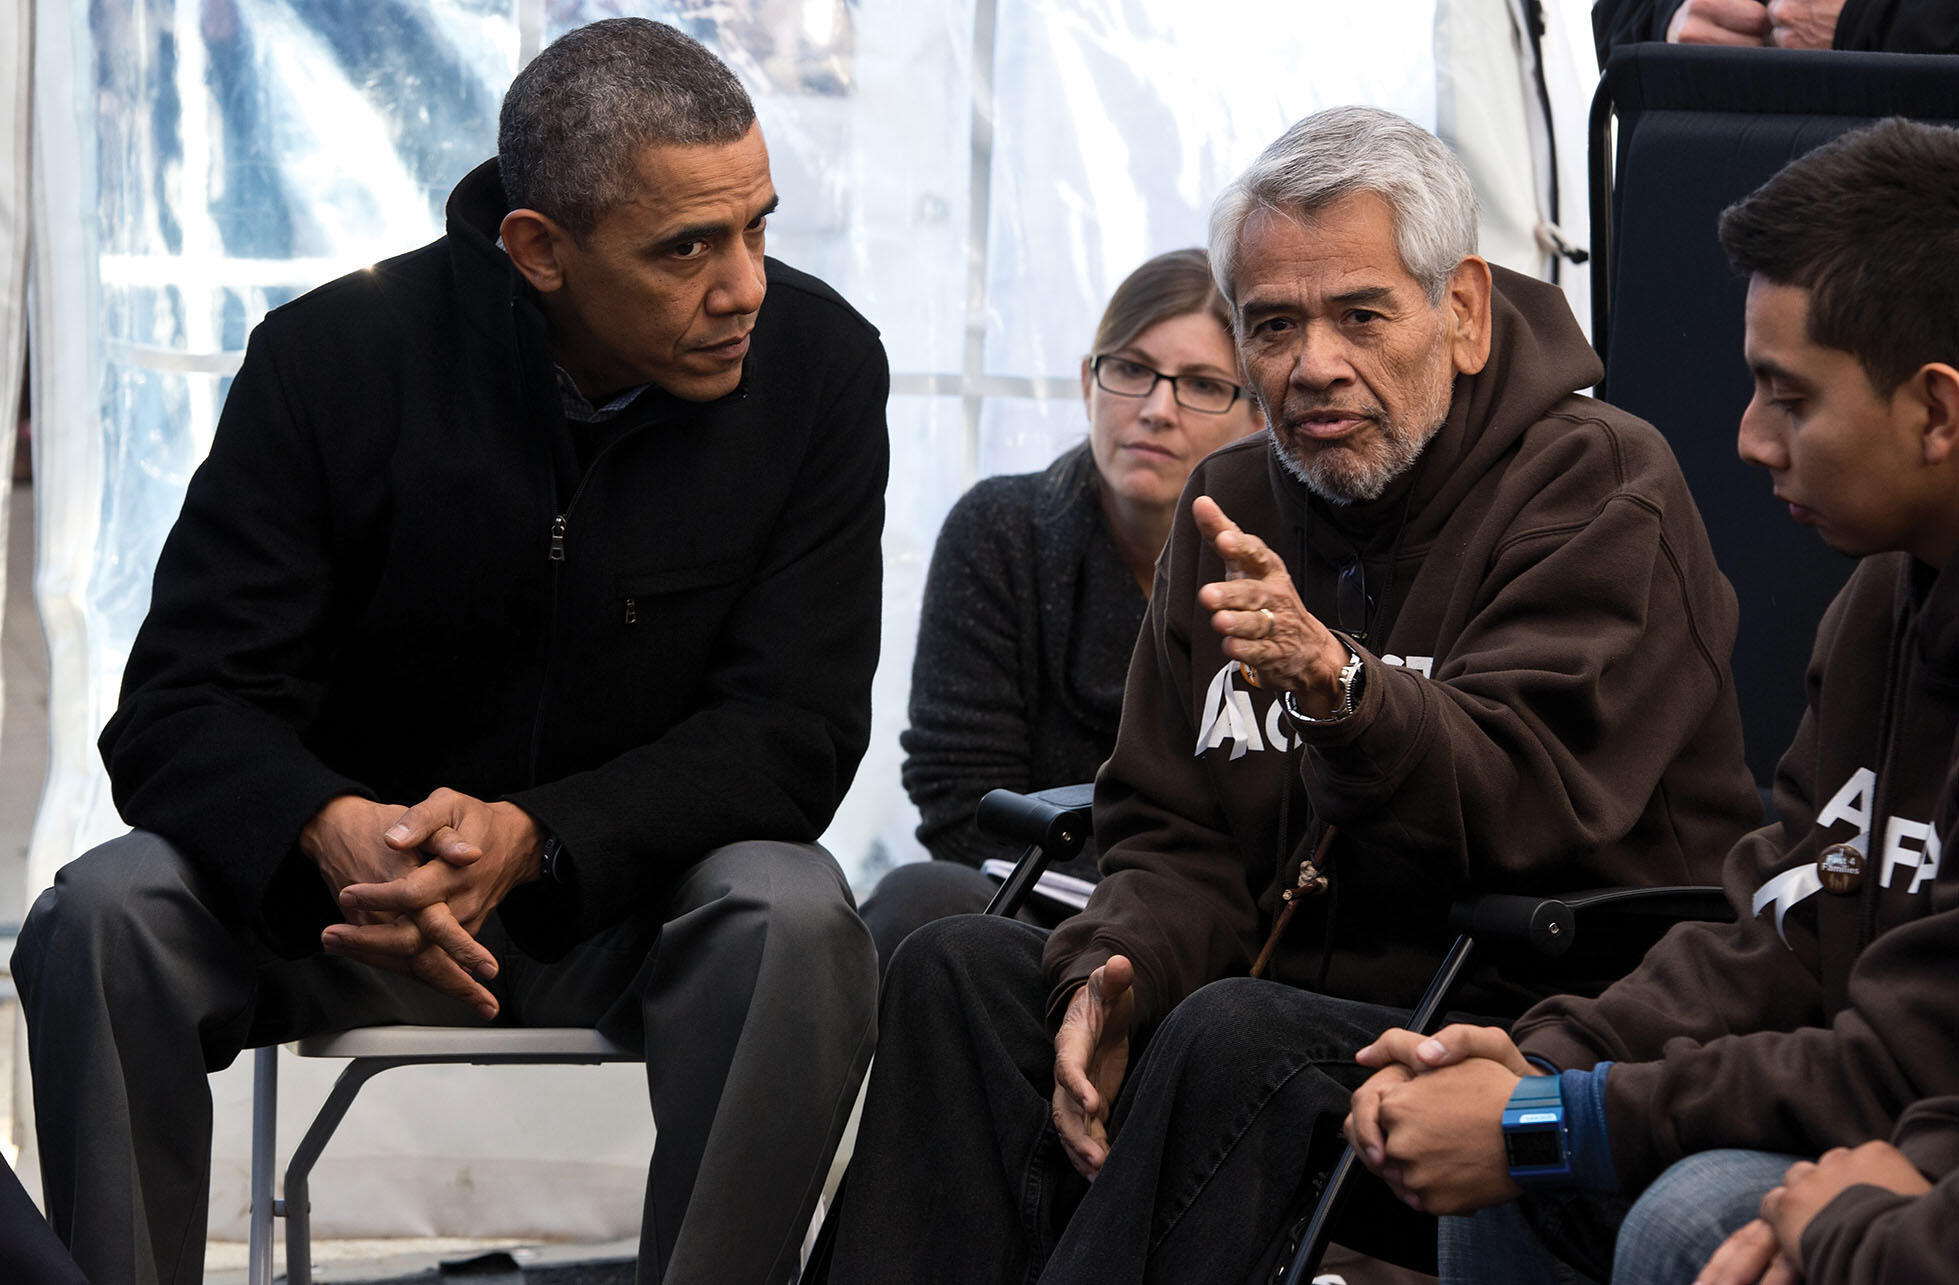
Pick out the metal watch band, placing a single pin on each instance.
(1345, 680)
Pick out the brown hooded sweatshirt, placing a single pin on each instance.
(1546, 703)
(1819, 1016)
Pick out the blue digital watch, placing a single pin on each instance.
(1535, 1143)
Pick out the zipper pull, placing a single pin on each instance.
(632, 612)
(558, 538)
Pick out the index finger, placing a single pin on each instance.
(1461, 1040)
(423, 886)
(1244, 553)
(1394, 1046)
(1363, 1123)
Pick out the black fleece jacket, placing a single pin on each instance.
(1023, 644)
(364, 595)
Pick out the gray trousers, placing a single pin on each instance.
(752, 988)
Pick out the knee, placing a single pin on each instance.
(968, 946)
(921, 891)
(792, 909)
(1249, 1030)
(1227, 1010)
(101, 908)
(1690, 1209)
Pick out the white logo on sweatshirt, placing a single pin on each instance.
(1908, 844)
(1228, 713)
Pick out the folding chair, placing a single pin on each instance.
(375, 1049)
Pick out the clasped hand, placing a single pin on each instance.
(1787, 24)
(1429, 1121)
(1266, 628)
(1769, 1250)
(417, 883)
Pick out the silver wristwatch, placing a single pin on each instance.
(1348, 681)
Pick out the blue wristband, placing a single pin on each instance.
(1534, 1141)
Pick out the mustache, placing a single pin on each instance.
(1298, 407)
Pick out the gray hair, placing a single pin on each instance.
(577, 118)
(1343, 150)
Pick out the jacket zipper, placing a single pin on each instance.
(1896, 677)
(558, 550)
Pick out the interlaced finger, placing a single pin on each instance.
(439, 926)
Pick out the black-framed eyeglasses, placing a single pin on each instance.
(1205, 394)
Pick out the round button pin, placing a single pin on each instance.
(1841, 867)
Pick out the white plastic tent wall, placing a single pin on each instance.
(975, 175)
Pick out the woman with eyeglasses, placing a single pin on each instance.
(1039, 582)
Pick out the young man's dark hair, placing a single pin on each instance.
(1878, 252)
(578, 116)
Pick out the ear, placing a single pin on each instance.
(1467, 298)
(1088, 380)
(533, 242)
(1935, 390)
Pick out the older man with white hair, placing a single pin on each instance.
(1448, 626)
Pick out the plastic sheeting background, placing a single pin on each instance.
(245, 150)
(975, 175)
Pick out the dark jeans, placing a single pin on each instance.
(919, 892)
(1231, 1109)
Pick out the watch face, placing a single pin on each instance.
(1534, 1149)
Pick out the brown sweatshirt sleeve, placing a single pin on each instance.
(1589, 666)
(1725, 1036)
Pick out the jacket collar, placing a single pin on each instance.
(505, 309)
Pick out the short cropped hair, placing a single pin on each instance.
(577, 118)
(1175, 284)
(1336, 153)
(1868, 224)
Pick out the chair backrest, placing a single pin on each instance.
(1700, 127)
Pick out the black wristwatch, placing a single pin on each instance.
(556, 866)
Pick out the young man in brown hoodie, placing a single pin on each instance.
(1827, 1009)
(1450, 625)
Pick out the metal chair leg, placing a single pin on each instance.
(298, 1210)
(265, 1117)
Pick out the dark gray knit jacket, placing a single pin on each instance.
(1030, 615)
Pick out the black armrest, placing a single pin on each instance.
(1550, 924)
(1057, 819)
(1053, 824)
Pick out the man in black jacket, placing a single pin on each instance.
(511, 651)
